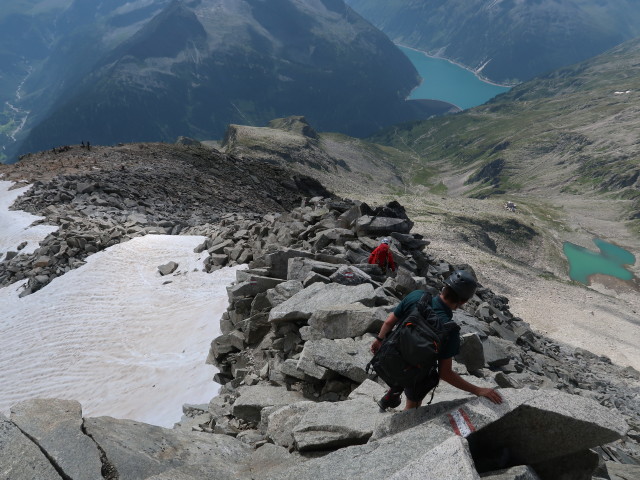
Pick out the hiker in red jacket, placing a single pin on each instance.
(383, 257)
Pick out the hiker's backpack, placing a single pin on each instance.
(408, 356)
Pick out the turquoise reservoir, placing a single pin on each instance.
(443, 80)
(609, 261)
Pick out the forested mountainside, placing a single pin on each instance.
(196, 66)
(48, 46)
(506, 40)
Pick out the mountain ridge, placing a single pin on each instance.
(506, 41)
(340, 72)
(347, 164)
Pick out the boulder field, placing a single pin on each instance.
(297, 401)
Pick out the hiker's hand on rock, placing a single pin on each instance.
(375, 346)
(491, 394)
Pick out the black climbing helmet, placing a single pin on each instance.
(463, 283)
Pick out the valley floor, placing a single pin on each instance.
(603, 318)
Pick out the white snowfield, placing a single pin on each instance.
(15, 226)
(114, 335)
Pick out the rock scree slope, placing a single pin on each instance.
(296, 400)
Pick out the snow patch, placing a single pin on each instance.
(113, 334)
(16, 226)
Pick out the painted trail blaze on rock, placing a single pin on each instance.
(461, 423)
(609, 261)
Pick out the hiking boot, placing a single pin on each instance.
(391, 399)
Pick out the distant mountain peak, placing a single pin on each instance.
(170, 32)
(506, 41)
(198, 66)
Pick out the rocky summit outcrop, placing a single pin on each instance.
(346, 163)
(297, 402)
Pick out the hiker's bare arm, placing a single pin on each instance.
(387, 326)
(448, 375)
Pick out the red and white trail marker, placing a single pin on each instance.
(461, 423)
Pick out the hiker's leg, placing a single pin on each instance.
(416, 394)
(411, 404)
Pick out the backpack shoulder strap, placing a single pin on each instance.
(424, 304)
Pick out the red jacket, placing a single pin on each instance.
(382, 257)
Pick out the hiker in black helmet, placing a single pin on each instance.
(459, 287)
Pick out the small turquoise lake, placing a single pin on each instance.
(611, 260)
(443, 80)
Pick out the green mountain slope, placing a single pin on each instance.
(507, 40)
(200, 65)
(574, 130)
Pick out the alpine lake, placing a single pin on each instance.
(446, 81)
(611, 260)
